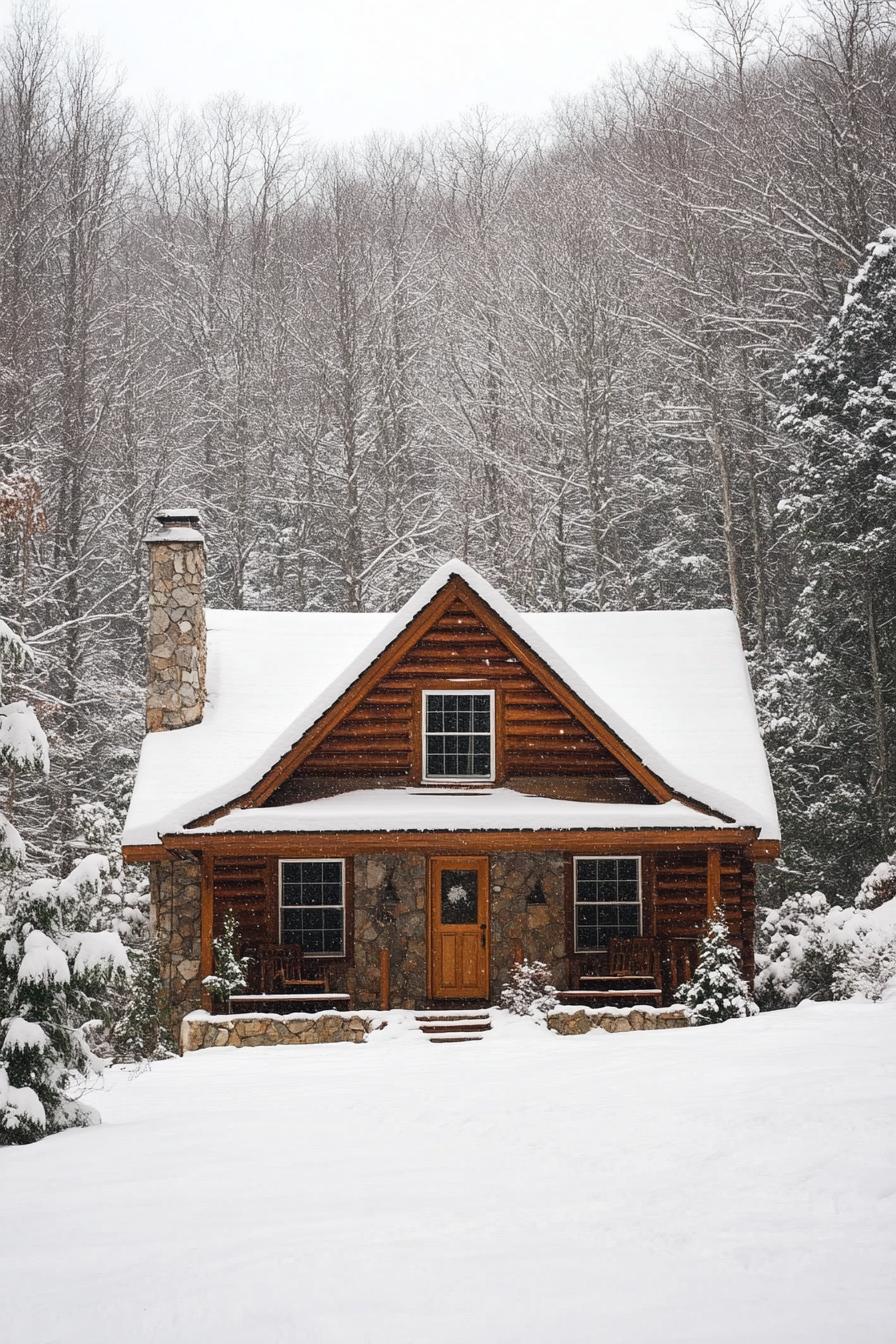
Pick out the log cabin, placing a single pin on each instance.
(396, 807)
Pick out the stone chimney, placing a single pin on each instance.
(175, 690)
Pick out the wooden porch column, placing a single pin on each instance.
(206, 921)
(385, 976)
(713, 879)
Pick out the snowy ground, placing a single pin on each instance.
(720, 1184)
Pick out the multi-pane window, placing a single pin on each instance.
(607, 901)
(458, 735)
(312, 903)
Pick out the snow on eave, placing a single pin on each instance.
(413, 810)
(693, 790)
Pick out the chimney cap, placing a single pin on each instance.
(178, 517)
(176, 525)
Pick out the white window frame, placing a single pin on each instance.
(315, 956)
(458, 779)
(592, 858)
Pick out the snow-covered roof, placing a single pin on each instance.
(428, 809)
(673, 685)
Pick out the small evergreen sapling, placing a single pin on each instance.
(529, 991)
(230, 970)
(717, 990)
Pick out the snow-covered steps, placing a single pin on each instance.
(443, 1027)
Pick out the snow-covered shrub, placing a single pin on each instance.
(230, 970)
(797, 958)
(810, 949)
(867, 939)
(52, 974)
(717, 990)
(879, 886)
(529, 990)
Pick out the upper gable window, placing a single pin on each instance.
(458, 735)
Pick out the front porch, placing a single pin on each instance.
(404, 936)
(633, 972)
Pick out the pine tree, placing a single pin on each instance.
(230, 970)
(51, 979)
(838, 704)
(717, 990)
(23, 743)
(55, 959)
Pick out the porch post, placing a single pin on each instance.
(713, 879)
(206, 920)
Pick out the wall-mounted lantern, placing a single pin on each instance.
(387, 900)
(537, 894)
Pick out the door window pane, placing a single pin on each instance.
(460, 896)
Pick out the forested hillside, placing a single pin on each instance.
(557, 351)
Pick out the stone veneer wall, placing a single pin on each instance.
(202, 1030)
(175, 692)
(538, 930)
(576, 1021)
(399, 927)
(174, 918)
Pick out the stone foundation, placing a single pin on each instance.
(200, 1030)
(576, 1021)
(174, 912)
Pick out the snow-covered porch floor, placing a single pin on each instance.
(728, 1183)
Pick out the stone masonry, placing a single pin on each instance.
(390, 912)
(527, 915)
(175, 692)
(578, 1021)
(200, 1030)
(390, 897)
(174, 915)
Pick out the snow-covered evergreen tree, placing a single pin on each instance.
(841, 508)
(23, 743)
(529, 991)
(51, 977)
(230, 970)
(132, 1028)
(717, 990)
(56, 956)
(879, 886)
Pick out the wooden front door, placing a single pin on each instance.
(458, 928)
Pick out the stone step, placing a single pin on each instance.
(450, 1040)
(452, 1017)
(452, 1028)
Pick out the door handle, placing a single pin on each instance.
(482, 931)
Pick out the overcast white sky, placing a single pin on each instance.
(356, 66)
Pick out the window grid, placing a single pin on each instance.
(607, 901)
(312, 905)
(458, 736)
